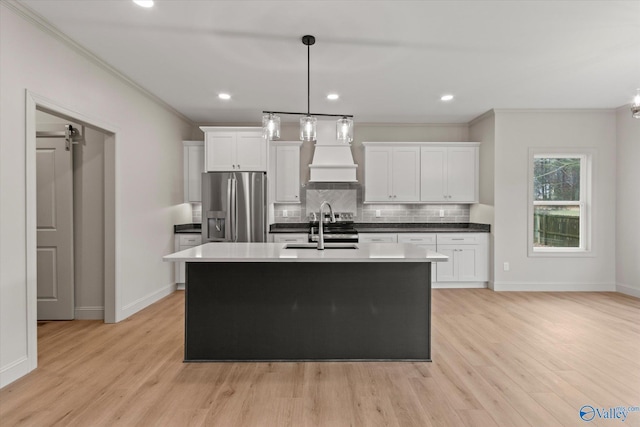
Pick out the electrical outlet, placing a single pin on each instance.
(378, 213)
(506, 266)
(441, 213)
(285, 213)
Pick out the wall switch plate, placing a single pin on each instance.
(441, 213)
(285, 213)
(506, 266)
(378, 213)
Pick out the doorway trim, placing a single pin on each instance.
(111, 291)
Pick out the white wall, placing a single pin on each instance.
(148, 194)
(628, 203)
(515, 133)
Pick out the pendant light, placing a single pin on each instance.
(271, 126)
(635, 107)
(308, 123)
(344, 129)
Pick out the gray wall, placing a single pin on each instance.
(515, 133)
(628, 202)
(148, 182)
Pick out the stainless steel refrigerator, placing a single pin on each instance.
(234, 207)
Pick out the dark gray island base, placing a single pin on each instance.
(252, 311)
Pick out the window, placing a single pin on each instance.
(559, 189)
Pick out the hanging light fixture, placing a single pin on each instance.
(271, 122)
(344, 129)
(635, 107)
(271, 126)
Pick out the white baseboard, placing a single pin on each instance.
(180, 286)
(458, 285)
(628, 290)
(553, 287)
(144, 302)
(14, 370)
(89, 313)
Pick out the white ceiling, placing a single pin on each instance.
(389, 60)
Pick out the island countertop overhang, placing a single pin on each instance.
(275, 252)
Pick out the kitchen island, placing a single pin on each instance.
(264, 301)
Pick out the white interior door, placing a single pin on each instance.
(54, 175)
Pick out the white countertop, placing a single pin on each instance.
(275, 252)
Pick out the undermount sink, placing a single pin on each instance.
(315, 246)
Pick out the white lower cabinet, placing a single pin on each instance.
(468, 264)
(182, 242)
(468, 257)
(377, 238)
(290, 237)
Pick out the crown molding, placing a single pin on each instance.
(29, 15)
(394, 124)
(553, 110)
(481, 117)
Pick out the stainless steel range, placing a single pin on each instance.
(340, 231)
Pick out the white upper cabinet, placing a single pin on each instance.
(449, 174)
(405, 175)
(234, 149)
(392, 174)
(193, 165)
(287, 165)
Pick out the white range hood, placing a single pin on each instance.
(332, 160)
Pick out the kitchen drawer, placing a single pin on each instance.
(189, 239)
(417, 238)
(461, 239)
(290, 238)
(377, 238)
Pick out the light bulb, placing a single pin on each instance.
(271, 126)
(308, 128)
(344, 129)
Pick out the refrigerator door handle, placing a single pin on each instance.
(234, 208)
(230, 216)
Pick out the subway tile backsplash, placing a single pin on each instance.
(348, 198)
(196, 213)
(413, 213)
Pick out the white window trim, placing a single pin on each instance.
(586, 209)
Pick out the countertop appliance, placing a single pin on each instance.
(340, 231)
(234, 207)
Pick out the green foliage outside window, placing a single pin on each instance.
(556, 180)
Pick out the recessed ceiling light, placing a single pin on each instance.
(333, 96)
(224, 96)
(144, 3)
(446, 97)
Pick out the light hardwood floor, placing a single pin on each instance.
(499, 359)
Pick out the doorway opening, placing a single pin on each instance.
(70, 182)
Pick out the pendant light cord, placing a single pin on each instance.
(308, 80)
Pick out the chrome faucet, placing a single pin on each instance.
(321, 224)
